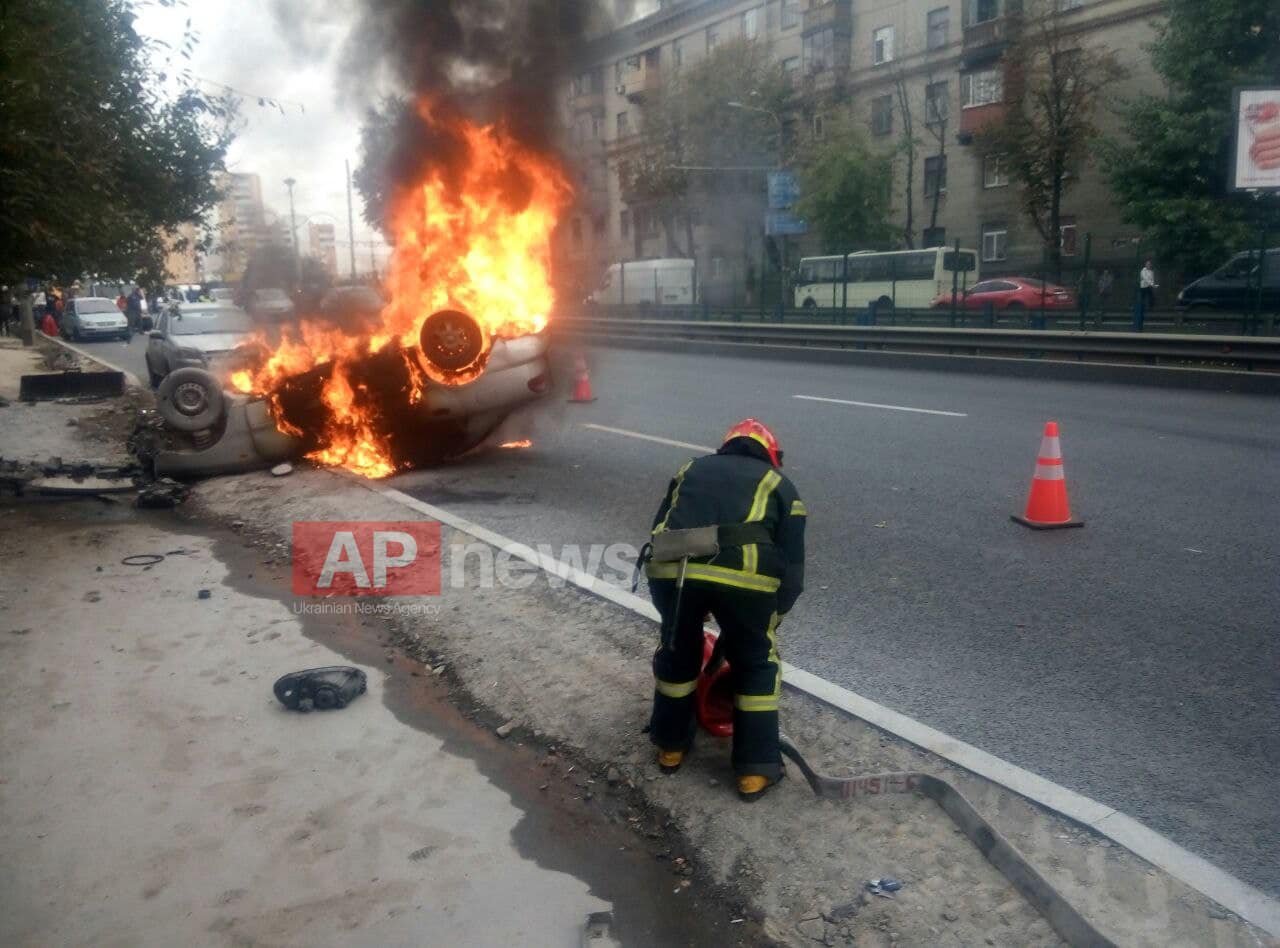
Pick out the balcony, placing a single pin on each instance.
(835, 14)
(986, 40)
(975, 118)
(638, 84)
(592, 102)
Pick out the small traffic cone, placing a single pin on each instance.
(581, 387)
(1047, 506)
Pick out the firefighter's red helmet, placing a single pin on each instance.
(757, 431)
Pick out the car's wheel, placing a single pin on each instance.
(884, 306)
(190, 399)
(810, 303)
(1015, 308)
(451, 340)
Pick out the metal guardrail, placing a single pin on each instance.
(1158, 321)
(1201, 349)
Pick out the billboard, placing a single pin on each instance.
(779, 219)
(1255, 142)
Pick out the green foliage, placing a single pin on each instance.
(846, 190)
(1170, 173)
(687, 124)
(1054, 89)
(98, 165)
(378, 139)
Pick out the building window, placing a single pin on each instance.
(624, 224)
(713, 37)
(934, 237)
(819, 126)
(677, 54)
(790, 14)
(819, 51)
(647, 223)
(624, 124)
(981, 88)
(882, 115)
(980, 11)
(935, 175)
(1067, 242)
(937, 103)
(995, 173)
(882, 45)
(995, 243)
(597, 226)
(751, 24)
(597, 125)
(938, 28)
(791, 65)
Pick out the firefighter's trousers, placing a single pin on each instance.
(748, 628)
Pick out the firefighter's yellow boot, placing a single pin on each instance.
(669, 761)
(753, 787)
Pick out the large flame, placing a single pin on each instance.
(474, 238)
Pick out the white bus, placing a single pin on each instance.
(668, 282)
(907, 278)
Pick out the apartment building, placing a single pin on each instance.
(183, 263)
(941, 60)
(242, 222)
(323, 241)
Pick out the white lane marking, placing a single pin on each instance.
(918, 411)
(647, 437)
(1253, 905)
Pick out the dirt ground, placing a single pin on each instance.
(572, 671)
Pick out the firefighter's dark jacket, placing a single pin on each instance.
(738, 485)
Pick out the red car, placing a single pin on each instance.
(1013, 295)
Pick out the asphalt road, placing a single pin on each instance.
(1135, 661)
(127, 355)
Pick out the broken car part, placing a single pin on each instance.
(73, 383)
(324, 689)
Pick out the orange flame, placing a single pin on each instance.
(522, 443)
(475, 238)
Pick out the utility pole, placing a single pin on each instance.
(293, 231)
(351, 225)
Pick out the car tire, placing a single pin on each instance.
(810, 303)
(190, 399)
(883, 306)
(1015, 308)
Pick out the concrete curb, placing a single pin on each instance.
(1251, 904)
(130, 380)
(1217, 380)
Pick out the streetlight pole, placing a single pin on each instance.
(293, 232)
(351, 225)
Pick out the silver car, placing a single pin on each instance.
(93, 317)
(270, 304)
(195, 335)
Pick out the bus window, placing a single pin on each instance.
(967, 261)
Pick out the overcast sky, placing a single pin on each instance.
(246, 45)
(242, 45)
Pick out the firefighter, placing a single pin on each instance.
(728, 541)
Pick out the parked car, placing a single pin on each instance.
(270, 304)
(93, 317)
(1011, 295)
(222, 294)
(1234, 285)
(195, 335)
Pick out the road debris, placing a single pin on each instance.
(324, 689)
(504, 730)
(282, 469)
(884, 887)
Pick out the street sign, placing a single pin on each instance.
(1255, 142)
(783, 224)
(784, 190)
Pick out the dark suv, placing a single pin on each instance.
(1234, 285)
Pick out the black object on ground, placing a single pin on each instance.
(143, 559)
(203, 594)
(324, 689)
(71, 384)
(162, 495)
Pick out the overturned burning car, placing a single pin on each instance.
(459, 344)
(419, 420)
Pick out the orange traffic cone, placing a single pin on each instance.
(581, 387)
(1047, 506)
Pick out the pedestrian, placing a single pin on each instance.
(49, 325)
(1105, 281)
(728, 540)
(1147, 287)
(7, 307)
(122, 301)
(133, 310)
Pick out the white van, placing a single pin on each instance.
(668, 282)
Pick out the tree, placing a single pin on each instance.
(100, 165)
(699, 156)
(846, 189)
(934, 114)
(1053, 88)
(1170, 171)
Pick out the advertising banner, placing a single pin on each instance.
(1256, 140)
